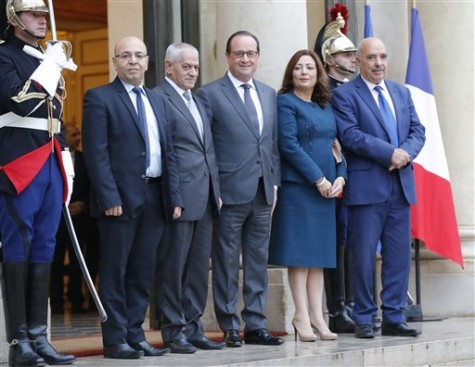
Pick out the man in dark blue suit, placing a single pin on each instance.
(129, 157)
(381, 134)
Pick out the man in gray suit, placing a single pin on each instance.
(244, 126)
(184, 255)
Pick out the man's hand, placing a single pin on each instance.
(116, 211)
(56, 52)
(399, 159)
(177, 212)
(77, 207)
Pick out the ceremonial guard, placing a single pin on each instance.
(338, 55)
(35, 174)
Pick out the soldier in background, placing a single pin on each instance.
(35, 174)
(338, 55)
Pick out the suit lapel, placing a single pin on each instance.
(155, 103)
(396, 98)
(124, 96)
(367, 97)
(235, 99)
(180, 105)
(265, 99)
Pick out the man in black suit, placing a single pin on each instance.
(184, 254)
(129, 157)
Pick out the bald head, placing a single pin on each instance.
(372, 59)
(131, 60)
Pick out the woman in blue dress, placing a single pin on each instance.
(303, 236)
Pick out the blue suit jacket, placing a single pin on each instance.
(365, 139)
(114, 151)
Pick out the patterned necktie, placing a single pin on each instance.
(194, 112)
(142, 120)
(388, 116)
(251, 108)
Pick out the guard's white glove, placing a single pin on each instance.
(69, 170)
(49, 71)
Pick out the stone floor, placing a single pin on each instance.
(448, 342)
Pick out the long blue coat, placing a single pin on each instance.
(304, 229)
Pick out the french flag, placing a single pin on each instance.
(433, 219)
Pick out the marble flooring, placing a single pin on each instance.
(448, 342)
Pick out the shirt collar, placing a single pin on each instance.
(371, 85)
(237, 83)
(176, 87)
(128, 87)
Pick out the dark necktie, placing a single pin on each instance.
(388, 116)
(251, 108)
(143, 121)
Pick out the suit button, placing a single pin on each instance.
(206, 173)
(144, 154)
(258, 162)
(143, 177)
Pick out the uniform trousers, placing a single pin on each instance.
(29, 221)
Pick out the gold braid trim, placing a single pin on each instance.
(24, 95)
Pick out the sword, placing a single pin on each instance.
(82, 263)
(52, 21)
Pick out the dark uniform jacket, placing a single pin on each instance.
(24, 97)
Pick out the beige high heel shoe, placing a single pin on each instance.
(324, 334)
(304, 332)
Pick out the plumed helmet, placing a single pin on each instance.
(17, 6)
(333, 40)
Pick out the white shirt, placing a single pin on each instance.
(155, 168)
(255, 97)
(384, 91)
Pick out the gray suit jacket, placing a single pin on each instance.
(242, 155)
(195, 159)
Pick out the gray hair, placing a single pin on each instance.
(175, 51)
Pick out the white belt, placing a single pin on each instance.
(11, 119)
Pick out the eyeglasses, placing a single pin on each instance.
(128, 56)
(240, 54)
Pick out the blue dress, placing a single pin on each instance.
(304, 223)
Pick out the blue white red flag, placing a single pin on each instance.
(368, 24)
(433, 218)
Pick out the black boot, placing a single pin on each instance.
(340, 321)
(37, 312)
(21, 352)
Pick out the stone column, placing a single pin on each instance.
(281, 27)
(124, 18)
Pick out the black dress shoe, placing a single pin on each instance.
(262, 337)
(340, 322)
(122, 351)
(51, 356)
(400, 329)
(149, 350)
(205, 343)
(232, 338)
(364, 331)
(180, 346)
